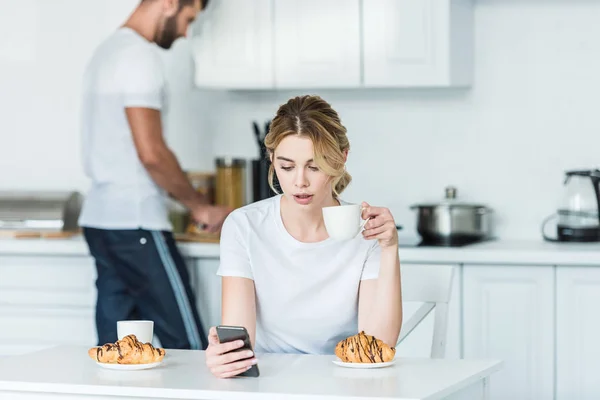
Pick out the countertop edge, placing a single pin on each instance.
(500, 252)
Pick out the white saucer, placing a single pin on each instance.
(363, 365)
(129, 367)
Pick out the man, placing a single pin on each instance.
(141, 274)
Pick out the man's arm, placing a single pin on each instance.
(158, 159)
(163, 167)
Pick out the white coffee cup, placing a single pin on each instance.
(143, 330)
(343, 222)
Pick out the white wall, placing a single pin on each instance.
(44, 46)
(531, 114)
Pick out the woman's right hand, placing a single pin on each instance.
(222, 361)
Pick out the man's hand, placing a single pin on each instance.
(210, 217)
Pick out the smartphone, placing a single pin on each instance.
(229, 334)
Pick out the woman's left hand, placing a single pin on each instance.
(381, 225)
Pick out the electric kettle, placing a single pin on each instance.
(578, 216)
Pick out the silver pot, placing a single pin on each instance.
(453, 221)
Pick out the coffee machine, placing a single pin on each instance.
(578, 216)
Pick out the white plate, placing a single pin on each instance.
(363, 365)
(129, 367)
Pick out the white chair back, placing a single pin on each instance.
(431, 285)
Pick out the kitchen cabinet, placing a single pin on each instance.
(577, 328)
(207, 286)
(27, 329)
(317, 43)
(418, 342)
(232, 45)
(46, 301)
(508, 314)
(455, 332)
(275, 44)
(417, 43)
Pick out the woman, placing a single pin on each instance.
(294, 289)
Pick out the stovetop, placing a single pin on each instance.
(418, 242)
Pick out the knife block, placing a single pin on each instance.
(260, 180)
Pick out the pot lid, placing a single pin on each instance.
(450, 201)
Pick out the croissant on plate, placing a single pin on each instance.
(363, 348)
(128, 350)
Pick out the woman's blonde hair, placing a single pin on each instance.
(313, 117)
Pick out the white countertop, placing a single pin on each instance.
(183, 375)
(76, 246)
(500, 251)
(505, 252)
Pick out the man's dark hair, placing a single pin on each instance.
(183, 3)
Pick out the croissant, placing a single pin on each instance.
(363, 348)
(128, 350)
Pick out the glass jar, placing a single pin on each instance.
(204, 183)
(230, 188)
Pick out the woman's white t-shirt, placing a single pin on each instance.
(306, 293)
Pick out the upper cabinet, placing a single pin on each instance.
(275, 44)
(316, 43)
(417, 43)
(232, 45)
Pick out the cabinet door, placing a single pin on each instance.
(232, 45)
(418, 342)
(26, 329)
(317, 43)
(46, 301)
(207, 286)
(509, 315)
(577, 331)
(417, 42)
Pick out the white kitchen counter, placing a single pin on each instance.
(76, 246)
(66, 371)
(493, 252)
(503, 252)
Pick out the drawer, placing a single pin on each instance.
(58, 281)
(23, 326)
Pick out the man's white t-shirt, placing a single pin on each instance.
(125, 71)
(306, 293)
